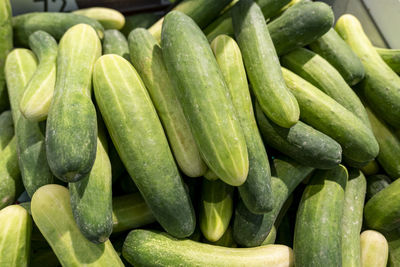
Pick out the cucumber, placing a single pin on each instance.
(6, 129)
(338, 53)
(317, 237)
(141, 20)
(6, 44)
(376, 183)
(117, 167)
(374, 249)
(391, 58)
(36, 98)
(256, 191)
(300, 25)
(354, 197)
(271, 237)
(326, 115)
(71, 132)
(300, 142)
(114, 42)
(381, 86)
(210, 175)
(141, 143)
(226, 240)
(147, 58)
(262, 64)
(393, 239)
(216, 208)
(371, 168)
(204, 96)
(15, 236)
(108, 17)
(150, 248)
(52, 213)
(316, 70)
(251, 229)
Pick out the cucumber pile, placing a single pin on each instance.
(224, 133)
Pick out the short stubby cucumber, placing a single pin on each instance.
(391, 58)
(149, 248)
(38, 93)
(108, 17)
(146, 57)
(139, 138)
(204, 96)
(256, 191)
(262, 64)
(6, 44)
(374, 249)
(71, 131)
(6, 129)
(376, 183)
(114, 42)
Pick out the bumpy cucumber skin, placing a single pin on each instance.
(376, 183)
(204, 97)
(317, 238)
(114, 42)
(108, 17)
(52, 213)
(374, 249)
(262, 64)
(6, 44)
(256, 191)
(391, 58)
(147, 58)
(71, 132)
(300, 142)
(141, 143)
(6, 129)
(149, 248)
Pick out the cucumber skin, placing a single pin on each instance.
(376, 183)
(393, 239)
(188, 58)
(109, 18)
(391, 58)
(114, 42)
(6, 44)
(144, 158)
(6, 128)
(71, 142)
(149, 248)
(317, 238)
(262, 64)
(374, 249)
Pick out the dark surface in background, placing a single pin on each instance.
(126, 6)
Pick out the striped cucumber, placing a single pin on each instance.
(52, 213)
(262, 64)
(6, 44)
(140, 20)
(256, 191)
(374, 249)
(71, 132)
(6, 129)
(317, 237)
(376, 183)
(204, 96)
(15, 236)
(108, 17)
(114, 42)
(141, 143)
(38, 93)
(391, 58)
(149, 248)
(147, 58)
(381, 86)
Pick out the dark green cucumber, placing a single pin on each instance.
(54, 23)
(108, 17)
(204, 96)
(300, 142)
(141, 143)
(71, 131)
(262, 64)
(141, 20)
(371, 168)
(256, 191)
(376, 183)
(391, 58)
(326, 115)
(251, 229)
(6, 129)
(6, 44)
(317, 237)
(149, 248)
(374, 249)
(393, 240)
(354, 197)
(114, 42)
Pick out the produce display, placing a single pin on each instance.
(218, 133)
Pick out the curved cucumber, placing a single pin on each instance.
(6, 129)
(204, 97)
(38, 93)
(71, 132)
(146, 57)
(391, 58)
(262, 64)
(374, 249)
(108, 17)
(149, 248)
(141, 143)
(6, 44)
(256, 191)
(114, 42)
(376, 183)
(52, 213)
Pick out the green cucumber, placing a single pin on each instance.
(108, 17)
(114, 42)
(149, 248)
(38, 93)
(256, 191)
(391, 58)
(262, 64)
(139, 138)
(316, 70)
(381, 85)
(15, 236)
(141, 20)
(338, 53)
(317, 237)
(300, 142)
(117, 167)
(354, 197)
(371, 168)
(226, 240)
(251, 229)
(374, 249)
(376, 183)
(147, 58)
(6, 129)
(210, 175)
(52, 213)
(393, 239)
(271, 237)
(326, 115)
(6, 44)
(71, 132)
(204, 96)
